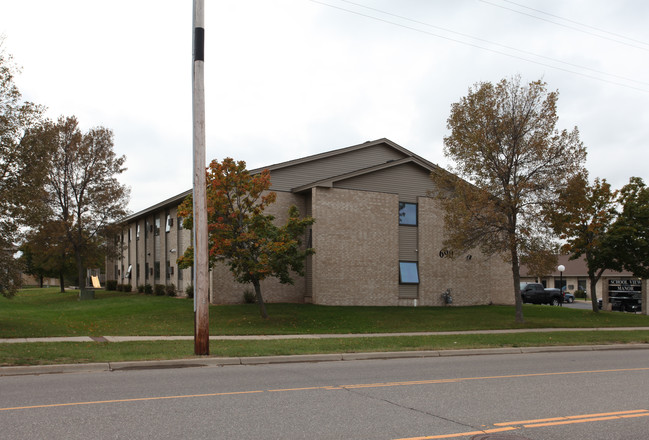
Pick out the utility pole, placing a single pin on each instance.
(201, 264)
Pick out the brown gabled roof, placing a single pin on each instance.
(575, 268)
(343, 151)
(329, 182)
(408, 157)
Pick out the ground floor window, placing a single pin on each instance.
(581, 285)
(408, 272)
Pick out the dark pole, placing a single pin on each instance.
(201, 265)
(561, 269)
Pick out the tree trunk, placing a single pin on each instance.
(80, 270)
(62, 281)
(517, 284)
(594, 278)
(40, 280)
(260, 299)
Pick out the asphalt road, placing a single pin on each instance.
(565, 395)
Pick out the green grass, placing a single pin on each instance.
(83, 352)
(46, 313)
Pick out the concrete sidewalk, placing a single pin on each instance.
(304, 336)
(208, 361)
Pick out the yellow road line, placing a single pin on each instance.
(460, 434)
(524, 422)
(137, 399)
(539, 423)
(334, 387)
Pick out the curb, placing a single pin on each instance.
(267, 360)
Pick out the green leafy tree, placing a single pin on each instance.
(46, 253)
(628, 237)
(85, 197)
(583, 215)
(22, 167)
(242, 235)
(510, 160)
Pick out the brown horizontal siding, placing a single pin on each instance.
(285, 179)
(408, 243)
(409, 181)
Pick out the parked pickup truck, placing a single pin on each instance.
(535, 293)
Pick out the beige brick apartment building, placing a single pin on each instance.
(378, 237)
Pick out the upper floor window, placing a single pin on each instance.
(408, 214)
(168, 223)
(157, 226)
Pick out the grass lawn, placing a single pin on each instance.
(47, 312)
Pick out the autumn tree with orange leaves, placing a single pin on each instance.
(241, 234)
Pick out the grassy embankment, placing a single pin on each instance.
(46, 313)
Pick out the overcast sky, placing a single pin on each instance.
(289, 78)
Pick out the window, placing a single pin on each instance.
(156, 270)
(137, 231)
(581, 285)
(157, 226)
(179, 222)
(408, 214)
(408, 272)
(169, 223)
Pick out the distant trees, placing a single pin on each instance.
(46, 253)
(583, 214)
(629, 234)
(510, 161)
(241, 235)
(610, 229)
(21, 171)
(83, 195)
(57, 183)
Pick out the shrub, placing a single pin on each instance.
(580, 293)
(126, 288)
(159, 289)
(170, 289)
(189, 291)
(111, 285)
(148, 289)
(140, 288)
(248, 296)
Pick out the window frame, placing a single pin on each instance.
(402, 269)
(402, 206)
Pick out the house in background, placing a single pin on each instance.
(378, 237)
(575, 277)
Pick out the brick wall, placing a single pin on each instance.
(473, 277)
(356, 241)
